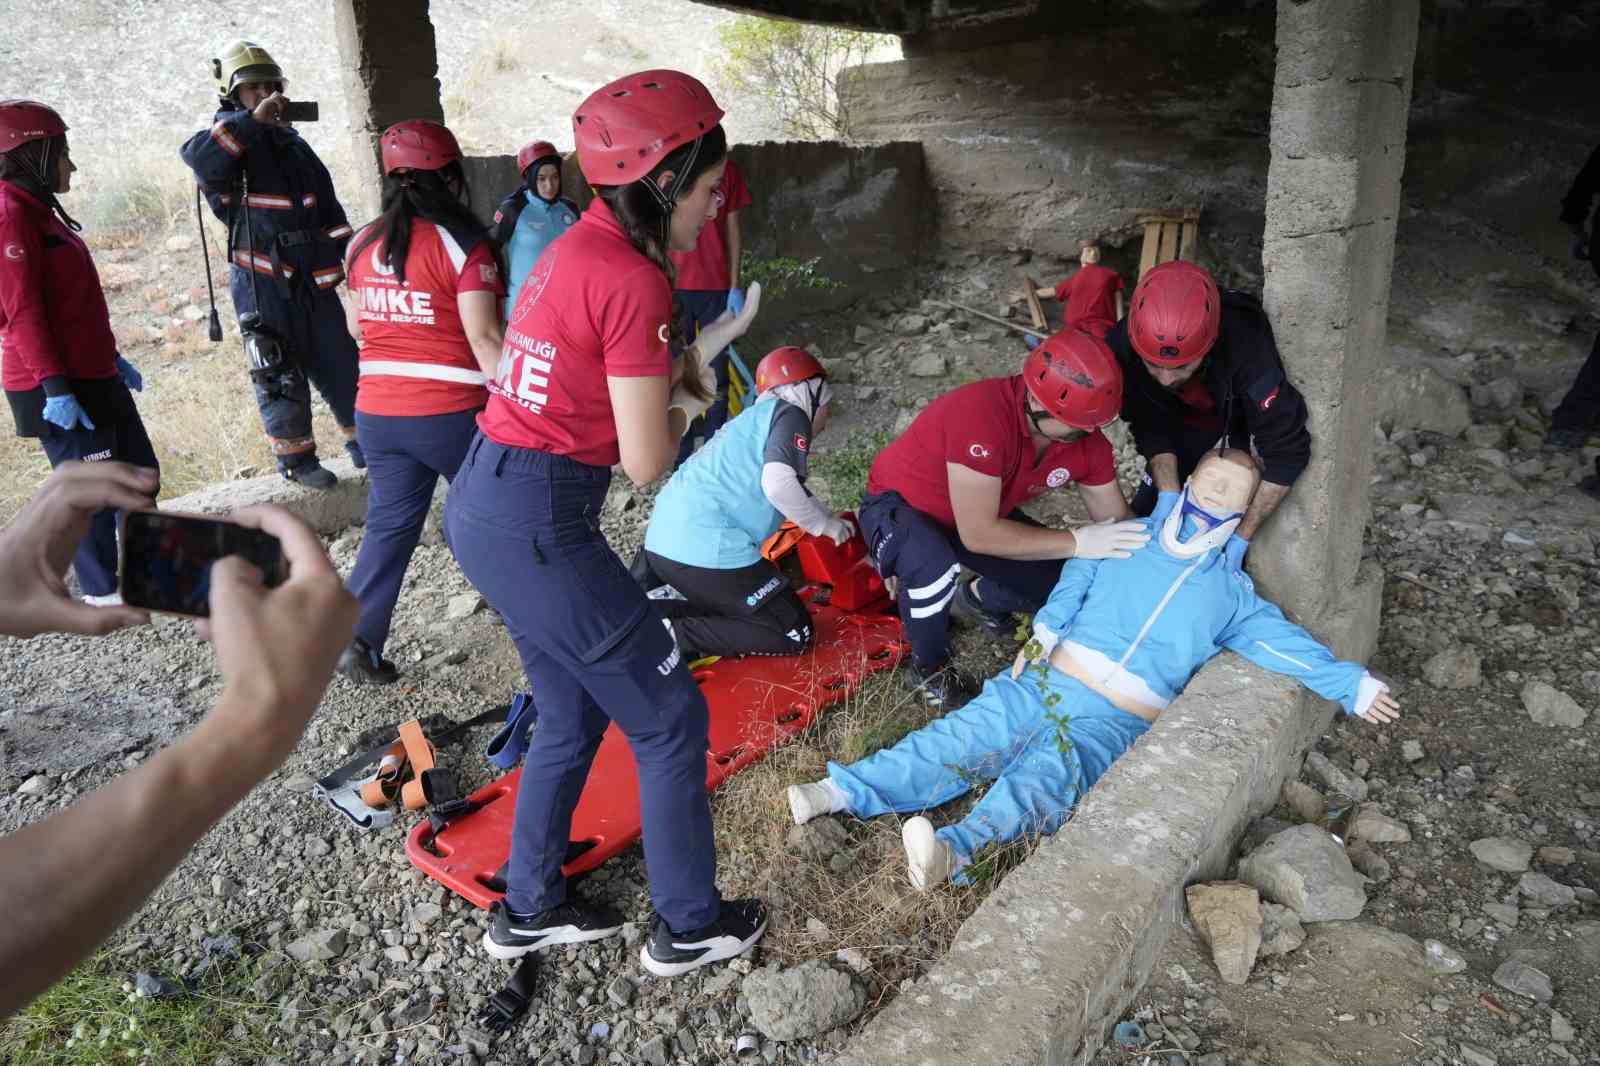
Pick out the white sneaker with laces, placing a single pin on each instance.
(929, 860)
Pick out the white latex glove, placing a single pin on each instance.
(1110, 540)
(729, 327)
(839, 529)
(692, 406)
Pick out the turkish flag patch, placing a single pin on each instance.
(801, 444)
(1267, 400)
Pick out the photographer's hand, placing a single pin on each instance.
(270, 112)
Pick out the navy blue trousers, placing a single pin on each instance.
(1580, 408)
(927, 558)
(525, 527)
(406, 457)
(321, 353)
(697, 309)
(122, 438)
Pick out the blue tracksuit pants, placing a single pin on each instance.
(406, 457)
(122, 438)
(697, 309)
(525, 527)
(927, 558)
(1007, 736)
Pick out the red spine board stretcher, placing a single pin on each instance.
(756, 704)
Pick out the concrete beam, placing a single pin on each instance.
(390, 67)
(1043, 969)
(1340, 100)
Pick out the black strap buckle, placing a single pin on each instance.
(511, 1002)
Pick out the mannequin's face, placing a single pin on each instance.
(1222, 486)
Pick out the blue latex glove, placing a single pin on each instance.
(736, 300)
(1031, 342)
(64, 411)
(1165, 502)
(1234, 550)
(130, 375)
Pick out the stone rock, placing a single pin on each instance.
(1561, 1030)
(911, 325)
(1372, 825)
(1442, 958)
(1557, 856)
(222, 887)
(1411, 751)
(819, 839)
(802, 1001)
(1419, 397)
(463, 605)
(654, 1051)
(322, 944)
(1366, 860)
(1486, 435)
(1551, 706)
(853, 958)
(1472, 1055)
(1228, 916)
(1307, 803)
(1281, 932)
(397, 954)
(620, 992)
(1506, 854)
(928, 365)
(1504, 913)
(425, 914)
(179, 242)
(1306, 870)
(1454, 668)
(1544, 891)
(33, 786)
(1335, 778)
(1502, 394)
(1518, 977)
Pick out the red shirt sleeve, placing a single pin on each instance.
(1099, 461)
(1063, 290)
(481, 272)
(632, 323)
(736, 194)
(974, 438)
(22, 298)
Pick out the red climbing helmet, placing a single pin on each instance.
(785, 366)
(533, 152)
(22, 121)
(1175, 315)
(623, 130)
(1075, 377)
(418, 144)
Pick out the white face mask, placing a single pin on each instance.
(1205, 529)
(809, 395)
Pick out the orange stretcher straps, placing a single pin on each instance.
(781, 543)
(421, 756)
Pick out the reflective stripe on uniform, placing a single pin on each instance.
(262, 263)
(396, 368)
(226, 140)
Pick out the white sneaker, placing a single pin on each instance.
(810, 801)
(929, 860)
(113, 599)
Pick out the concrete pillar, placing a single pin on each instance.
(390, 65)
(1340, 100)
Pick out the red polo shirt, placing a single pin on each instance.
(983, 427)
(415, 359)
(706, 268)
(1091, 298)
(592, 307)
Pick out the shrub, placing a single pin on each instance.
(796, 67)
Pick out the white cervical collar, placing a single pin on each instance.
(1222, 527)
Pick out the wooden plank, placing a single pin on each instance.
(1035, 308)
(1169, 242)
(1190, 233)
(1147, 255)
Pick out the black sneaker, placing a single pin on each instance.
(942, 688)
(572, 922)
(737, 928)
(364, 666)
(357, 456)
(312, 475)
(966, 607)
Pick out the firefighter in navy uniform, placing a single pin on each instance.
(1200, 369)
(286, 239)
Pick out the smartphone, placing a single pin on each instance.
(301, 111)
(166, 559)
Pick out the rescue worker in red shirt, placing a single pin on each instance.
(707, 284)
(63, 377)
(1201, 371)
(947, 494)
(424, 307)
(586, 380)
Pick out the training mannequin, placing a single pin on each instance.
(1093, 295)
(1114, 645)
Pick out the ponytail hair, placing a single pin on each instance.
(433, 195)
(645, 221)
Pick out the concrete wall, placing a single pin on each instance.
(862, 211)
(1044, 141)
